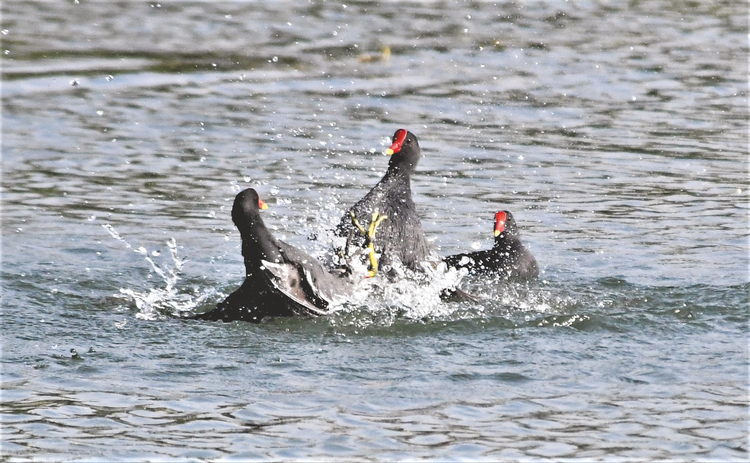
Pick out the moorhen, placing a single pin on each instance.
(280, 279)
(508, 258)
(400, 234)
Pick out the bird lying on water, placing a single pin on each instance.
(280, 279)
(508, 258)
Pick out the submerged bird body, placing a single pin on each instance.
(400, 237)
(508, 257)
(280, 280)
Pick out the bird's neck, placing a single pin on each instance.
(396, 181)
(259, 244)
(505, 241)
(398, 174)
(402, 169)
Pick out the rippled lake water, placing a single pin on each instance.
(617, 135)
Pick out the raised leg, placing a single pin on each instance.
(369, 235)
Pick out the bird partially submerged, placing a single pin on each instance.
(508, 258)
(280, 279)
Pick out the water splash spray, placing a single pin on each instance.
(168, 300)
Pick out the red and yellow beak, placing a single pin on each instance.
(398, 142)
(500, 219)
(262, 205)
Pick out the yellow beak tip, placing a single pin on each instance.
(264, 207)
(389, 151)
(497, 232)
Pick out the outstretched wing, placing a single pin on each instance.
(294, 282)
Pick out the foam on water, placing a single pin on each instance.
(413, 296)
(380, 301)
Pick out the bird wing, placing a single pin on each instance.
(294, 283)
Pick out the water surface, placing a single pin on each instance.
(616, 135)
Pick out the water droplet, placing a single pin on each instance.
(275, 59)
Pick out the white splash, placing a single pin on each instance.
(377, 302)
(411, 296)
(156, 303)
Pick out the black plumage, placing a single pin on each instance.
(400, 237)
(508, 257)
(280, 279)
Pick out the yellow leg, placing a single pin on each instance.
(377, 219)
(356, 223)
